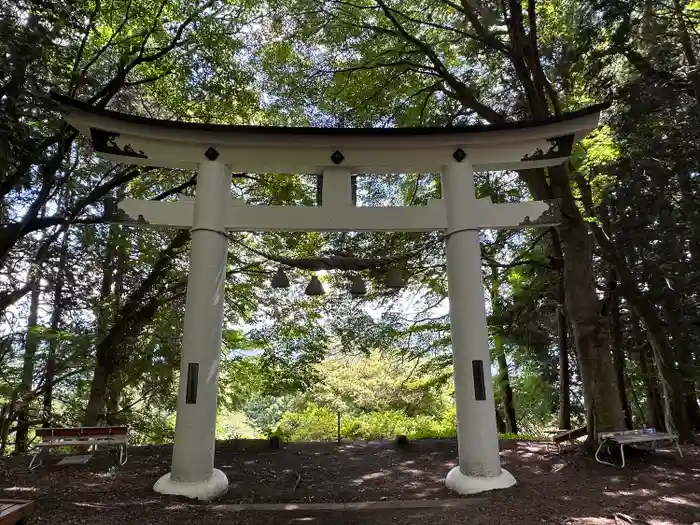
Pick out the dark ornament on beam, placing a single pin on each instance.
(559, 147)
(337, 157)
(319, 190)
(353, 189)
(211, 154)
(105, 142)
(459, 155)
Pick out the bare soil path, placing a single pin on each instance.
(559, 488)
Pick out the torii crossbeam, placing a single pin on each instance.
(336, 153)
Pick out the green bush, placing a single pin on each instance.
(316, 423)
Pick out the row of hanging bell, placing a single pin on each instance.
(358, 288)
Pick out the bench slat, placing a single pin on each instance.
(570, 435)
(648, 438)
(87, 441)
(12, 511)
(80, 431)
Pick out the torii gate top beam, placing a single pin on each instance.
(268, 149)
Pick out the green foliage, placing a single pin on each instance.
(534, 401)
(235, 425)
(316, 423)
(112, 297)
(265, 412)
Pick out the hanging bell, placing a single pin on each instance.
(280, 280)
(394, 279)
(315, 287)
(358, 287)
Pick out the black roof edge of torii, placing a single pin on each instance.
(72, 103)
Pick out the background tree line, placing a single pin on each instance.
(595, 321)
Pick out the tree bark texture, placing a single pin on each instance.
(562, 338)
(507, 397)
(30, 347)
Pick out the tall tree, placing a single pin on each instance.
(449, 62)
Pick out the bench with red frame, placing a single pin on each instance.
(15, 511)
(82, 436)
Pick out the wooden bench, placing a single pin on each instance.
(15, 511)
(646, 436)
(82, 436)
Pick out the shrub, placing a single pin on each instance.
(316, 423)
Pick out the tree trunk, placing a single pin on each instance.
(655, 410)
(56, 314)
(503, 376)
(504, 380)
(562, 340)
(30, 347)
(674, 402)
(608, 215)
(114, 395)
(616, 347)
(500, 424)
(8, 412)
(98, 394)
(582, 305)
(675, 415)
(96, 405)
(682, 352)
(116, 382)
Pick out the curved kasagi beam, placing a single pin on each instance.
(268, 149)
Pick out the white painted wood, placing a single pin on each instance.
(193, 453)
(83, 121)
(295, 218)
(75, 460)
(509, 214)
(313, 159)
(338, 216)
(337, 192)
(213, 212)
(476, 420)
(283, 151)
(92, 440)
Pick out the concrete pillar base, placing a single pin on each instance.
(458, 482)
(208, 490)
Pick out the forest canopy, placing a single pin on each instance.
(593, 322)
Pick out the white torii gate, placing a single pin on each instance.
(337, 153)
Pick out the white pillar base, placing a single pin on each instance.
(215, 486)
(458, 482)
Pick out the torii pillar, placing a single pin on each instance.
(192, 472)
(477, 434)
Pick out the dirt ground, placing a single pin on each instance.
(560, 488)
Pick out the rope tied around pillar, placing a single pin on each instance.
(448, 234)
(214, 230)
